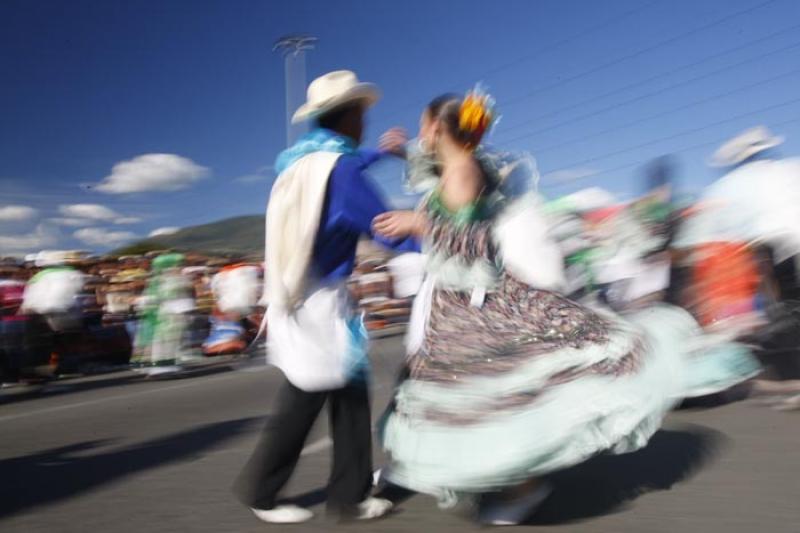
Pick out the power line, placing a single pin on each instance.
(624, 88)
(567, 40)
(638, 53)
(652, 93)
(671, 111)
(644, 161)
(542, 50)
(681, 134)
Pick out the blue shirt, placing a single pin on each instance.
(351, 203)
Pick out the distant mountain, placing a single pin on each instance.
(241, 236)
(238, 236)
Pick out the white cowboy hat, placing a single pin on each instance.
(744, 146)
(332, 90)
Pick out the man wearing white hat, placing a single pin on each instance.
(319, 207)
(756, 199)
(756, 202)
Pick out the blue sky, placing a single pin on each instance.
(593, 89)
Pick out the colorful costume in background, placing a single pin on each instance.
(743, 235)
(753, 206)
(237, 289)
(161, 337)
(613, 252)
(53, 299)
(55, 294)
(13, 328)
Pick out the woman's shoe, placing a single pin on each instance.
(373, 508)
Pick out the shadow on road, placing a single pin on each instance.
(737, 393)
(607, 483)
(66, 386)
(72, 386)
(57, 474)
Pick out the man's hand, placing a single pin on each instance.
(394, 142)
(399, 224)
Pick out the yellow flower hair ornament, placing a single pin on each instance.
(476, 115)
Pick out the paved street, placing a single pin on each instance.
(116, 453)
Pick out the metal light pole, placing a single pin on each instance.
(293, 48)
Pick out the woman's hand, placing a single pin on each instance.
(399, 224)
(394, 142)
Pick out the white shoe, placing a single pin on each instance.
(373, 508)
(516, 511)
(284, 514)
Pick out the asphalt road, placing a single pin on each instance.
(116, 453)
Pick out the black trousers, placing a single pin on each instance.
(284, 436)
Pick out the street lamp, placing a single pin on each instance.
(293, 48)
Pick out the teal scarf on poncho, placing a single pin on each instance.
(317, 140)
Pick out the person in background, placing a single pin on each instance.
(54, 297)
(161, 340)
(236, 293)
(319, 207)
(12, 329)
(745, 235)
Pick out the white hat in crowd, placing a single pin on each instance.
(743, 146)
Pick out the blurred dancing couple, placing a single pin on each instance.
(506, 380)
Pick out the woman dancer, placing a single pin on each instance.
(507, 379)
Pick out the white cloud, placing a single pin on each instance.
(160, 232)
(77, 215)
(88, 211)
(264, 173)
(103, 237)
(72, 222)
(127, 220)
(42, 237)
(152, 172)
(16, 213)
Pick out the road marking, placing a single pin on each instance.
(56, 408)
(317, 446)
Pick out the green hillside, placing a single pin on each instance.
(233, 236)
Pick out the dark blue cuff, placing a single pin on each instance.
(370, 155)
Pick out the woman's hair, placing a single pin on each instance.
(449, 108)
(435, 106)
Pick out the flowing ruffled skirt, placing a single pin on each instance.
(529, 383)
